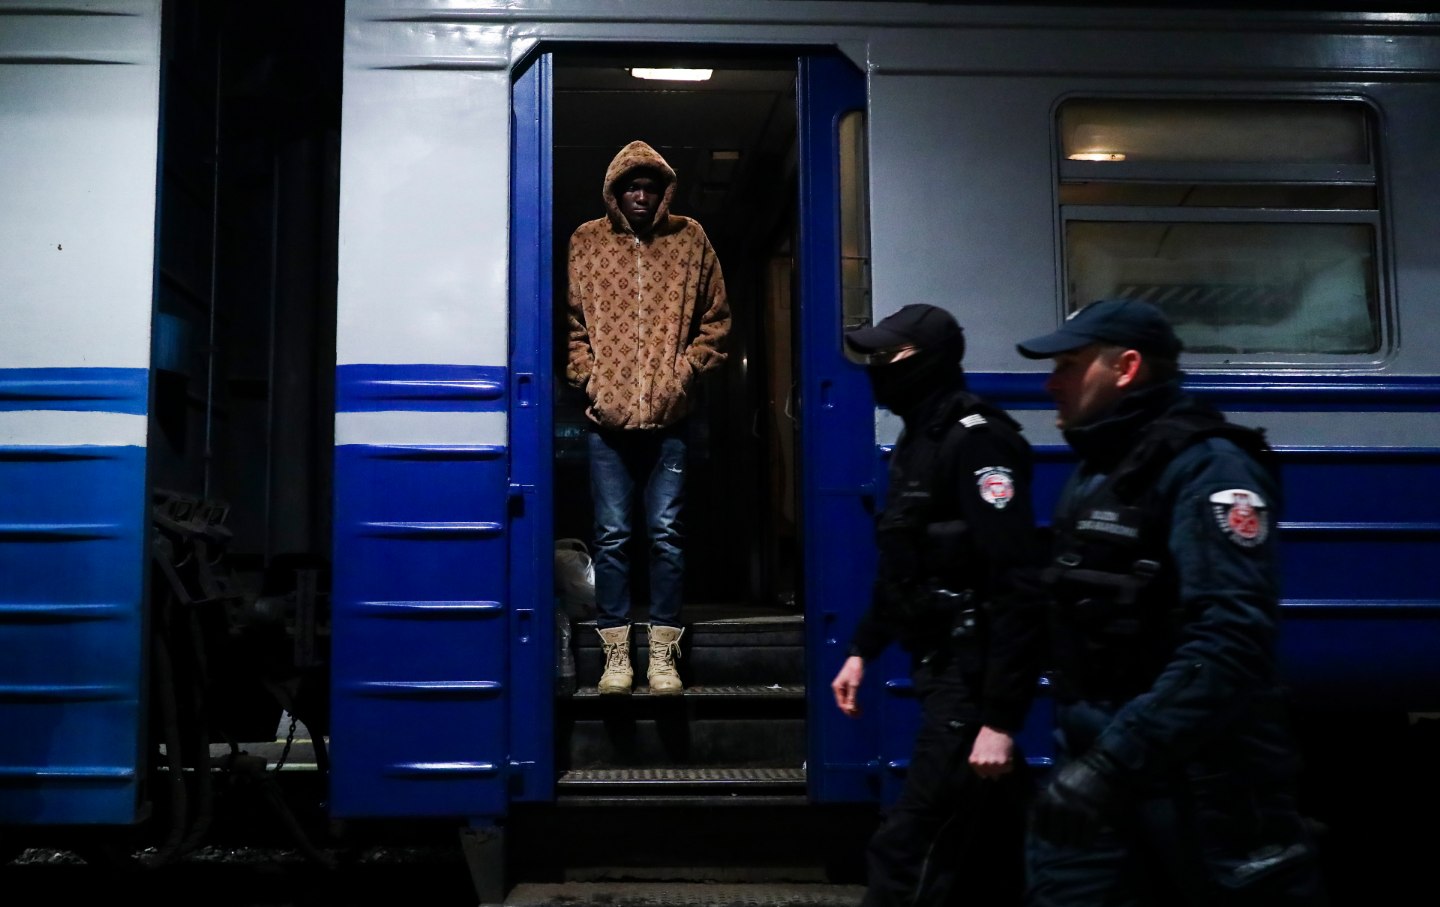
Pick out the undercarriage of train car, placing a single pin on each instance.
(231, 668)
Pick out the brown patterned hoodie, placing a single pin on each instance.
(647, 310)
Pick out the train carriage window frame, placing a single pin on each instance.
(857, 302)
(1255, 224)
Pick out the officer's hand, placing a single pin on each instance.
(993, 754)
(1078, 802)
(847, 683)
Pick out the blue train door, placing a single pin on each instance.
(440, 696)
(837, 462)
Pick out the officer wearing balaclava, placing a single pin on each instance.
(957, 552)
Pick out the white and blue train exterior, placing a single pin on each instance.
(442, 653)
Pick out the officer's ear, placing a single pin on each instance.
(1129, 368)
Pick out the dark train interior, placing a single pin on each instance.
(731, 141)
(241, 441)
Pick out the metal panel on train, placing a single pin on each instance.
(79, 109)
(422, 617)
(419, 641)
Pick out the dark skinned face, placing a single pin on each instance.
(638, 194)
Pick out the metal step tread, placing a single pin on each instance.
(682, 776)
(650, 799)
(684, 894)
(710, 691)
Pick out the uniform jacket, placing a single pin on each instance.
(979, 483)
(647, 311)
(1210, 698)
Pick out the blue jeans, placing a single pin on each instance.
(622, 462)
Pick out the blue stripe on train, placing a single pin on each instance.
(427, 388)
(110, 390)
(1299, 393)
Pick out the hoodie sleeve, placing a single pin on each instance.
(581, 355)
(705, 351)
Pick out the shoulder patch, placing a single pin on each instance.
(996, 486)
(974, 420)
(1241, 515)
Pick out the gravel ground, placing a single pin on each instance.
(248, 877)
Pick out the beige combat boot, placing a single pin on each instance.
(664, 650)
(617, 676)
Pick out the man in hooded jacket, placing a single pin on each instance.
(954, 588)
(647, 316)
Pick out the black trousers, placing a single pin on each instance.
(952, 837)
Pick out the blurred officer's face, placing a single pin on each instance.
(638, 195)
(1087, 381)
(889, 357)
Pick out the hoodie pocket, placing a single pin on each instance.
(607, 404)
(684, 373)
(673, 396)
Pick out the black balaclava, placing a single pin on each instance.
(903, 386)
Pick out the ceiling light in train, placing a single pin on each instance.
(1097, 156)
(672, 75)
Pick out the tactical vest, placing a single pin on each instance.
(926, 549)
(1116, 611)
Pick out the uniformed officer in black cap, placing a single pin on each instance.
(955, 540)
(1176, 775)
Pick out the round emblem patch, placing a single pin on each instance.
(996, 487)
(1241, 515)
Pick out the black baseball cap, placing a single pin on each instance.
(925, 326)
(1130, 323)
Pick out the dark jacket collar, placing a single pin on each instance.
(1101, 442)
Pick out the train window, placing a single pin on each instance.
(854, 221)
(1281, 132)
(1254, 225)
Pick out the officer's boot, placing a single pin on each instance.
(617, 676)
(664, 650)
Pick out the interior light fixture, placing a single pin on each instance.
(672, 75)
(1097, 156)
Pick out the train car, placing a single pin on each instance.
(285, 438)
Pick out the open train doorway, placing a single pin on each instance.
(726, 125)
(730, 139)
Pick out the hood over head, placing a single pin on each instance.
(635, 155)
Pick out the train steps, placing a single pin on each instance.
(736, 734)
(645, 852)
(684, 894)
(691, 799)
